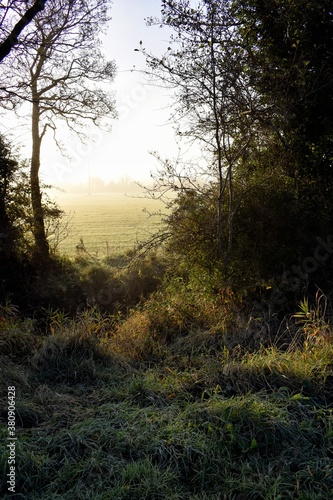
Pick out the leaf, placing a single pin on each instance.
(299, 397)
(253, 444)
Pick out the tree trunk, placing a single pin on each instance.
(230, 217)
(220, 209)
(217, 137)
(41, 243)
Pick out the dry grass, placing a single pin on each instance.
(186, 417)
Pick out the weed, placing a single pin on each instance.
(315, 327)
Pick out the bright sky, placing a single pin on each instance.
(143, 109)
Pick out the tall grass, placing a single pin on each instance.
(144, 408)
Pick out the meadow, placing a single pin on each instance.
(108, 224)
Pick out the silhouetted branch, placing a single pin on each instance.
(12, 38)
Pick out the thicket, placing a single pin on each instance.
(253, 87)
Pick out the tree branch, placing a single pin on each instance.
(12, 38)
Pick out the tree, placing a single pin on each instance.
(61, 71)
(205, 65)
(290, 60)
(12, 38)
(8, 167)
(15, 210)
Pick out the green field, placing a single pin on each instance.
(108, 224)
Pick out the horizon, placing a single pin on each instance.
(97, 185)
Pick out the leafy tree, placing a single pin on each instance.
(61, 71)
(254, 84)
(8, 166)
(15, 213)
(289, 44)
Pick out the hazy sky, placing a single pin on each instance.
(143, 109)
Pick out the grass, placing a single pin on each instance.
(109, 224)
(186, 416)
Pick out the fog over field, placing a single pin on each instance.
(108, 223)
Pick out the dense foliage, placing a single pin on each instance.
(254, 86)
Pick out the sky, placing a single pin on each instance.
(143, 110)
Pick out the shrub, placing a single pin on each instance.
(73, 353)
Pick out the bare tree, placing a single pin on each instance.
(61, 71)
(204, 64)
(12, 38)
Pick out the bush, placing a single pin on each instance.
(14, 203)
(119, 289)
(275, 227)
(192, 225)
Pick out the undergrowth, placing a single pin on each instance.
(168, 402)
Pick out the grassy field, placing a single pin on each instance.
(108, 224)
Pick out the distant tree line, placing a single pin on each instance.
(98, 186)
